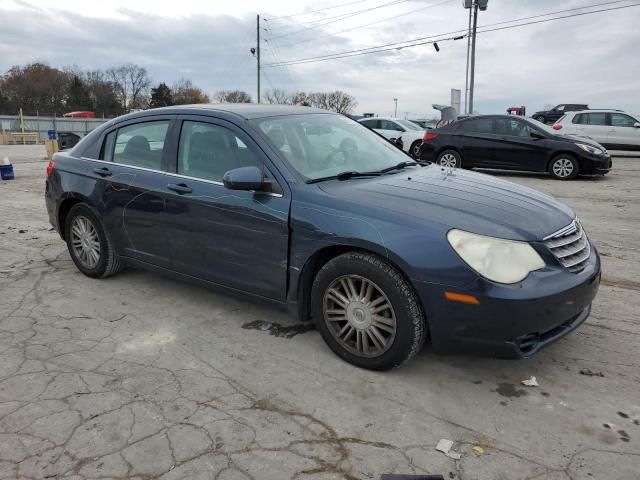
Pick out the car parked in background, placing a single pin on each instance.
(513, 143)
(614, 129)
(312, 212)
(550, 116)
(394, 128)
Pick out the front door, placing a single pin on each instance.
(128, 175)
(238, 239)
(623, 134)
(516, 149)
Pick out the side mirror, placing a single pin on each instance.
(637, 124)
(244, 178)
(536, 134)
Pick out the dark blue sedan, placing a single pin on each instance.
(313, 212)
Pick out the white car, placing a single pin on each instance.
(393, 128)
(613, 129)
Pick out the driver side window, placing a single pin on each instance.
(389, 125)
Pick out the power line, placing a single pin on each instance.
(339, 18)
(418, 41)
(367, 24)
(319, 10)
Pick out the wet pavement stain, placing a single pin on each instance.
(509, 390)
(278, 330)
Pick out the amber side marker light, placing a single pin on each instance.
(460, 297)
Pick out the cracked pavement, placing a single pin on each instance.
(139, 376)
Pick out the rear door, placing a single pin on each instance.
(390, 129)
(476, 139)
(623, 134)
(129, 175)
(238, 239)
(516, 149)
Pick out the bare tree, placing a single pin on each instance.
(185, 92)
(341, 102)
(232, 96)
(279, 96)
(132, 85)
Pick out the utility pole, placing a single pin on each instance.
(258, 51)
(395, 110)
(471, 65)
(473, 56)
(466, 78)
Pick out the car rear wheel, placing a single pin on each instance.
(88, 245)
(450, 158)
(414, 150)
(367, 312)
(540, 118)
(563, 167)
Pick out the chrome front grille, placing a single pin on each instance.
(570, 246)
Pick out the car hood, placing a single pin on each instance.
(457, 198)
(578, 138)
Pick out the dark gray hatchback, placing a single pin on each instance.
(315, 213)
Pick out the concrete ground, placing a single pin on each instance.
(138, 376)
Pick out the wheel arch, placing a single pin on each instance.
(320, 258)
(65, 206)
(556, 153)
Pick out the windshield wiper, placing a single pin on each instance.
(345, 176)
(398, 166)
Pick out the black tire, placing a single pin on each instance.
(540, 118)
(410, 323)
(564, 167)
(414, 149)
(446, 157)
(107, 263)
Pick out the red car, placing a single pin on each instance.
(81, 114)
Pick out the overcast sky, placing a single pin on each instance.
(590, 59)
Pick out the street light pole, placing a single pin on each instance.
(395, 110)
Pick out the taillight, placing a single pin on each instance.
(50, 167)
(557, 126)
(429, 136)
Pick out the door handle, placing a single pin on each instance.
(180, 188)
(103, 172)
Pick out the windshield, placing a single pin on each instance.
(409, 125)
(325, 145)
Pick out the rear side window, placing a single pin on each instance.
(388, 125)
(371, 123)
(595, 118)
(140, 145)
(621, 120)
(107, 147)
(478, 125)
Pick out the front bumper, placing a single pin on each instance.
(596, 164)
(511, 321)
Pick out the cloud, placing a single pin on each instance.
(588, 59)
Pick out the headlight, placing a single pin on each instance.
(589, 148)
(502, 261)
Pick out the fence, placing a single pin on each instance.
(40, 125)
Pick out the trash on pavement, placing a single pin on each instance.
(445, 446)
(6, 169)
(589, 373)
(531, 382)
(477, 449)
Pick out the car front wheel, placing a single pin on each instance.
(563, 167)
(540, 118)
(88, 244)
(367, 312)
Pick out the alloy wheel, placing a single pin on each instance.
(85, 241)
(563, 167)
(448, 160)
(359, 315)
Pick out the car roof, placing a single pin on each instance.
(243, 110)
(380, 118)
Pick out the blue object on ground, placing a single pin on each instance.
(6, 172)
